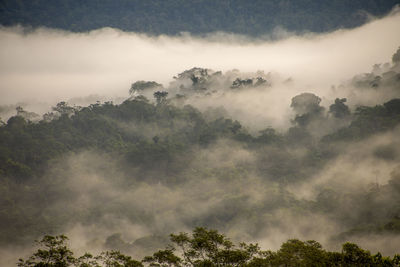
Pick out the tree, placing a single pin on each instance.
(163, 258)
(52, 252)
(16, 123)
(396, 57)
(29, 116)
(196, 79)
(144, 85)
(160, 96)
(64, 109)
(254, 82)
(87, 260)
(353, 255)
(298, 253)
(306, 103)
(393, 106)
(339, 109)
(209, 248)
(239, 83)
(307, 108)
(117, 259)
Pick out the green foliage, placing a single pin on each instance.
(396, 57)
(161, 97)
(53, 252)
(163, 258)
(117, 259)
(297, 253)
(25, 147)
(87, 260)
(243, 83)
(209, 248)
(204, 248)
(339, 109)
(162, 143)
(368, 121)
(144, 85)
(353, 255)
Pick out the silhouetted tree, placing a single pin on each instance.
(160, 96)
(339, 109)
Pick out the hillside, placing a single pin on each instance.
(197, 17)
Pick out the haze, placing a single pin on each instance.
(50, 65)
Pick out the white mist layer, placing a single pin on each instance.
(49, 66)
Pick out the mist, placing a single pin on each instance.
(101, 206)
(46, 65)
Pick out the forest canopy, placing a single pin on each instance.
(197, 17)
(169, 145)
(206, 247)
(135, 136)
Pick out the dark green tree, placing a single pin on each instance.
(163, 258)
(161, 97)
(144, 85)
(117, 259)
(64, 109)
(210, 248)
(353, 255)
(396, 57)
(339, 108)
(53, 252)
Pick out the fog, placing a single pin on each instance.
(46, 65)
(104, 208)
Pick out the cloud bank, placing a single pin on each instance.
(47, 65)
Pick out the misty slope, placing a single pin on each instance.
(306, 149)
(196, 17)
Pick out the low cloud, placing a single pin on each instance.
(51, 65)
